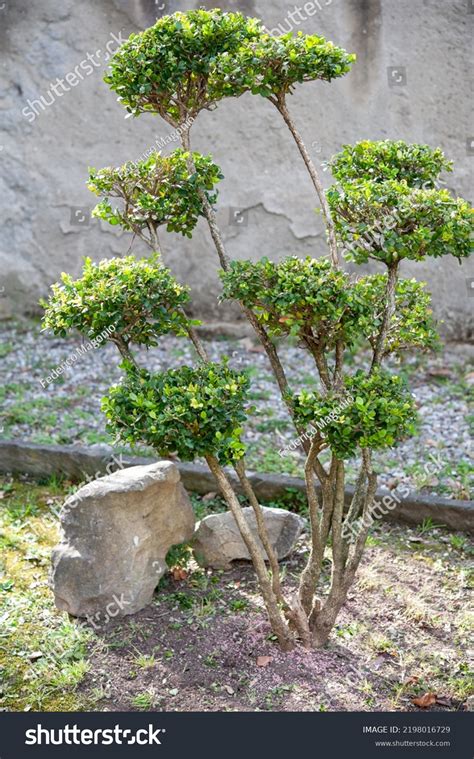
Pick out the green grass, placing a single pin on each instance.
(145, 700)
(5, 349)
(43, 655)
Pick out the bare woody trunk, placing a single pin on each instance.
(389, 310)
(346, 559)
(277, 620)
(311, 618)
(261, 529)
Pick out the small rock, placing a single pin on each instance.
(217, 540)
(35, 655)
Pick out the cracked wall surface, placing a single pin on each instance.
(266, 204)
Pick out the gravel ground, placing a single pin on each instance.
(67, 410)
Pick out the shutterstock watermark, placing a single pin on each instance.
(73, 735)
(72, 502)
(117, 604)
(296, 17)
(374, 238)
(114, 465)
(238, 217)
(396, 76)
(83, 69)
(95, 342)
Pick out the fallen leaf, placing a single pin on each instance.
(263, 661)
(428, 699)
(179, 573)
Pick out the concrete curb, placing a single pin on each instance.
(76, 463)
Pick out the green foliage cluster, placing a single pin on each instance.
(188, 411)
(306, 298)
(161, 190)
(380, 412)
(167, 69)
(271, 66)
(140, 298)
(382, 160)
(412, 325)
(389, 221)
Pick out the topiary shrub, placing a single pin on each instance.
(384, 206)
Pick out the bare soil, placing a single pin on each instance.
(403, 634)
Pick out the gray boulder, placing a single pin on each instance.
(117, 531)
(217, 541)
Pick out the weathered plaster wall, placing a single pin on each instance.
(43, 164)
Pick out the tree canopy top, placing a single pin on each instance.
(381, 160)
(190, 61)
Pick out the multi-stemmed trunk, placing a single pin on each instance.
(309, 617)
(271, 600)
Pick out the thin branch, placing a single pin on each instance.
(311, 572)
(261, 528)
(125, 351)
(283, 109)
(389, 310)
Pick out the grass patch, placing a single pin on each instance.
(43, 655)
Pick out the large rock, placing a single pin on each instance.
(217, 540)
(117, 531)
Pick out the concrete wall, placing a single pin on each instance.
(44, 163)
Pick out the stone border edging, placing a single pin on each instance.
(21, 457)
